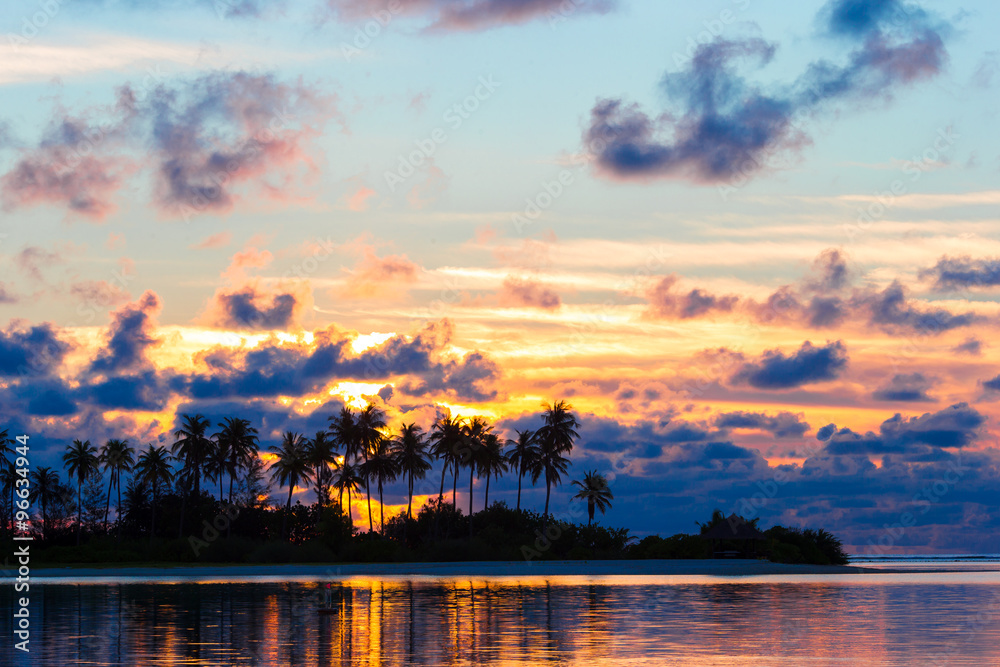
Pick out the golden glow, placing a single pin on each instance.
(366, 341)
(354, 393)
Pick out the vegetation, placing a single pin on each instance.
(156, 490)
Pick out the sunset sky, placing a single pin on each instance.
(752, 243)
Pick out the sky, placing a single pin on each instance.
(753, 244)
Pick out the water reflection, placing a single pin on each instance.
(564, 621)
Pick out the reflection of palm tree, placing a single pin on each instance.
(492, 462)
(44, 485)
(291, 468)
(594, 489)
(383, 467)
(446, 436)
(81, 461)
(153, 469)
(347, 478)
(410, 450)
(370, 422)
(321, 454)
(116, 456)
(523, 457)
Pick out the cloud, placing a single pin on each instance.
(379, 276)
(33, 351)
(220, 240)
(958, 425)
(781, 425)
(971, 346)
(6, 296)
(518, 292)
(957, 273)
(905, 387)
(249, 307)
(824, 433)
(468, 15)
(809, 364)
(99, 292)
(131, 334)
(206, 140)
(722, 127)
(992, 385)
(664, 302)
(359, 200)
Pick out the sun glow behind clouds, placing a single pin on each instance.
(355, 393)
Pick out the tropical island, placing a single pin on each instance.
(164, 514)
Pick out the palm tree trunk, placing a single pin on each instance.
(590, 511)
(519, 477)
(486, 500)
(288, 508)
(454, 489)
(471, 477)
(409, 504)
(118, 511)
(381, 509)
(79, 507)
(368, 491)
(444, 471)
(350, 512)
(548, 491)
(152, 531)
(107, 506)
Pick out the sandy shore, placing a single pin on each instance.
(597, 568)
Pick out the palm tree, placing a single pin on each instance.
(523, 457)
(291, 468)
(81, 459)
(594, 489)
(44, 486)
(321, 453)
(370, 422)
(559, 428)
(8, 482)
(153, 469)
(411, 453)
(446, 437)
(217, 462)
(476, 432)
(192, 447)
(383, 467)
(492, 462)
(8, 463)
(553, 466)
(241, 442)
(347, 478)
(116, 455)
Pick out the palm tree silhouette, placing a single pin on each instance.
(523, 457)
(9, 481)
(153, 469)
(347, 478)
(291, 468)
(594, 489)
(382, 466)
(321, 453)
(410, 450)
(446, 437)
(555, 438)
(217, 462)
(241, 442)
(476, 432)
(44, 485)
(370, 422)
(81, 459)
(192, 447)
(116, 455)
(492, 462)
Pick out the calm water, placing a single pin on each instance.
(881, 619)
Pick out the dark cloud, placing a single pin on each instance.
(276, 368)
(905, 387)
(132, 332)
(958, 273)
(247, 308)
(956, 426)
(825, 432)
(781, 425)
(664, 302)
(470, 15)
(971, 346)
(992, 385)
(142, 391)
(721, 126)
(893, 311)
(809, 364)
(204, 138)
(33, 351)
(528, 294)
